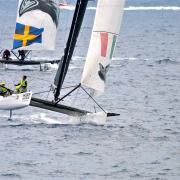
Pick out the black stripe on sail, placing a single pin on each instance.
(46, 6)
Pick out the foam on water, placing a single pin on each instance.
(98, 118)
(95, 119)
(136, 8)
(43, 118)
(159, 8)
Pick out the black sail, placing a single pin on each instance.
(71, 42)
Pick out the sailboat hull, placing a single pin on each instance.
(15, 101)
(71, 111)
(31, 62)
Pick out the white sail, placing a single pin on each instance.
(103, 39)
(36, 25)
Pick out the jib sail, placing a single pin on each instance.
(103, 40)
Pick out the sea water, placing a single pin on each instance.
(143, 85)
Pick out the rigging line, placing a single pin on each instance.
(30, 55)
(68, 87)
(75, 98)
(60, 99)
(15, 55)
(93, 99)
(52, 90)
(27, 54)
(42, 92)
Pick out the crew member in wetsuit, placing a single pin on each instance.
(6, 54)
(21, 54)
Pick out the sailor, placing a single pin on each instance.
(21, 87)
(3, 89)
(21, 54)
(6, 54)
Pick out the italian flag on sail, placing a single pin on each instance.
(102, 44)
(107, 46)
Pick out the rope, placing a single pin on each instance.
(75, 98)
(60, 99)
(68, 87)
(93, 99)
(52, 90)
(42, 92)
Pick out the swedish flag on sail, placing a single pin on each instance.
(26, 35)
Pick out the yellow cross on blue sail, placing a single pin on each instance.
(26, 35)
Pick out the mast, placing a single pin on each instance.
(71, 42)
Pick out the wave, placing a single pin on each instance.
(157, 8)
(136, 8)
(166, 61)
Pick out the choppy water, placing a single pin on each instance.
(143, 85)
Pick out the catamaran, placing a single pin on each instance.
(103, 39)
(36, 27)
(32, 14)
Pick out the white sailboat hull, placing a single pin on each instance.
(15, 101)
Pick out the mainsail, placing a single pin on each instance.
(103, 39)
(36, 25)
(71, 42)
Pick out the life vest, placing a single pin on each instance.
(23, 83)
(22, 86)
(3, 90)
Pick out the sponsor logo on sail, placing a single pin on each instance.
(103, 71)
(105, 46)
(26, 5)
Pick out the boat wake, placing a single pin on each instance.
(95, 119)
(98, 118)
